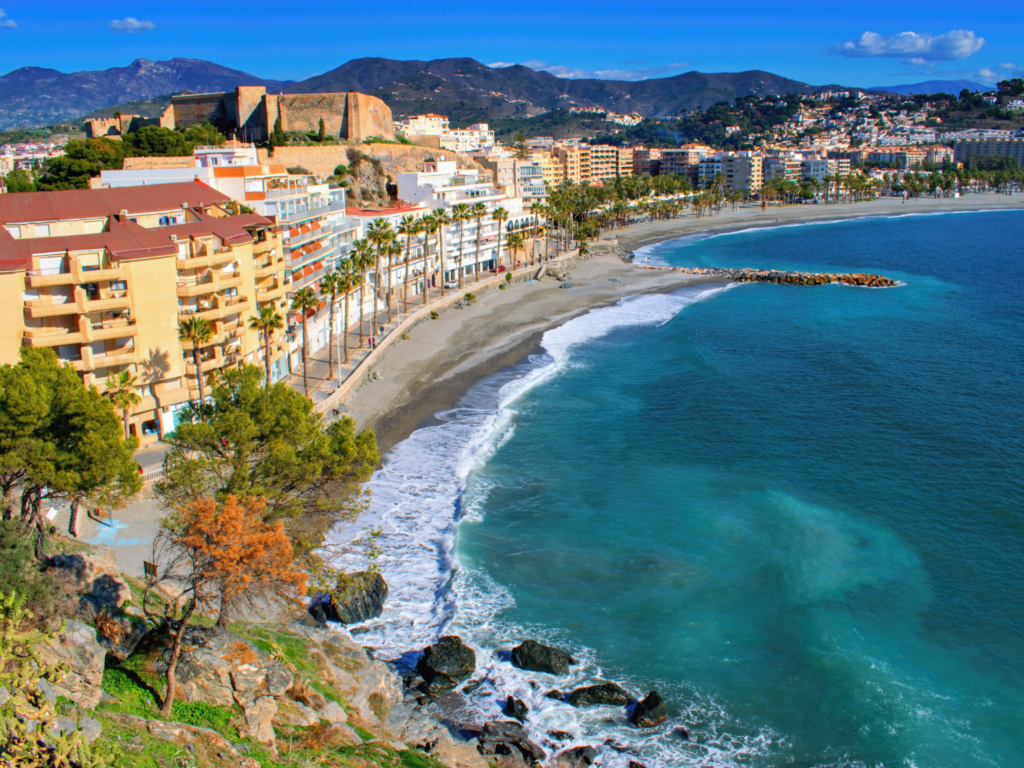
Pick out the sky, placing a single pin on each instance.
(870, 43)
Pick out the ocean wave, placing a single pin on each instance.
(427, 486)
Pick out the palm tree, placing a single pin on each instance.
(379, 232)
(514, 243)
(362, 259)
(330, 287)
(348, 279)
(408, 227)
(265, 323)
(394, 249)
(121, 391)
(443, 219)
(478, 211)
(304, 300)
(500, 215)
(196, 331)
(429, 228)
(460, 214)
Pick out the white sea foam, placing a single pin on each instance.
(418, 498)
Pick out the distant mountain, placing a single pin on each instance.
(933, 86)
(466, 90)
(33, 96)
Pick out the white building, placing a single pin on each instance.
(463, 140)
(442, 185)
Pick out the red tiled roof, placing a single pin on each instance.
(126, 240)
(95, 203)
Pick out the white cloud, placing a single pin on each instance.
(913, 47)
(988, 74)
(130, 26)
(6, 23)
(578, 73)
(1008, 66)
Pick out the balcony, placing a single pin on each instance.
(42, 278)
(107, 303)
(218, 307)
(90, 361)
(276, 290)
(304, 212)
(201, 284)
(52, 337)
(268, 268)
(278, 192)
(207, 257)
(109, 329)
(48, 306)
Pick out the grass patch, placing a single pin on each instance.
(362, 733)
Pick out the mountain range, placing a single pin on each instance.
(462, 88)
(933, 86)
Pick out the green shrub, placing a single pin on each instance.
(434, 315)
(20, 572)
(203, 715)
(502, 287)
(508, 277)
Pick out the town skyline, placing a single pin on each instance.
(882, 46)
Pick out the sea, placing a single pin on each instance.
(795, 512)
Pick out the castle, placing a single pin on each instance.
(249, 114)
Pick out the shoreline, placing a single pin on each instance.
(442, 358)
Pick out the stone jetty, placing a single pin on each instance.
(789, 278)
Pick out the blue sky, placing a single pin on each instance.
(865, 44)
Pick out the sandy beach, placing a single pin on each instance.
(441, 358)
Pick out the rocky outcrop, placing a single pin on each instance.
(516, 708)
(357, 597)
(97, 578)
(535, 657)
(789, 278)
(78, 649)
(501, 737)
(576, 757)
(445, 664)
(222, 668)
(603, 693)
(649, 711)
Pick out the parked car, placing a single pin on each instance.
(499, 270)
(449, 286)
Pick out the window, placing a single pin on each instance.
(119, 285)
(92, 290)
(42, 230)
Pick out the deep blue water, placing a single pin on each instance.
(798, 512)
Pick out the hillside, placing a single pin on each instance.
(466, 90)
(34, 96)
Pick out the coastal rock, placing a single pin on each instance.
(535, 657)
(78, 648)
(501, 737)
(446, 663)
(604, 693)
(555, 694)
(681, 732)
(357, 597)
(649, 711)
(515, 708)
(576, 757)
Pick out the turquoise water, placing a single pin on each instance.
(797, 512)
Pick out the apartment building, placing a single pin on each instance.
(436, 131)
(969, 149)
(646, 162)
(707, 168)
(685, 161)
(744, 172)
(104, 277)
(787, 167)
(815, 167)
(444, 185)
(575, 162)
(308, 219)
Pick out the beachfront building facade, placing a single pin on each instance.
(743, 171)
(104, 277)
(472, 246)
(434, 130)
(308, 219)
(971, 149)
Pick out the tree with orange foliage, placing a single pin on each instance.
(215, 553)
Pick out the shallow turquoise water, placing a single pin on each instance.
(797, 512)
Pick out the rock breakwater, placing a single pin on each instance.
(780, 276)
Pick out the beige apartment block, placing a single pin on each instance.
(966, 149)
(104, 277)
(743, 173)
